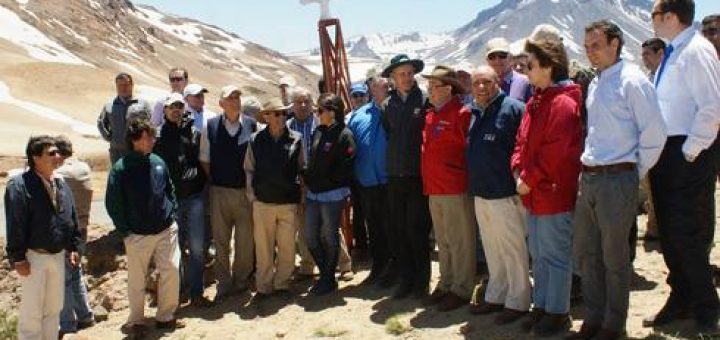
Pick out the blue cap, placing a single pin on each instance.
(359, 87)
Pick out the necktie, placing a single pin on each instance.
(668, 50)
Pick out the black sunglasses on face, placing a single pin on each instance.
(277, 113)
(177, 106)
(501, 55)
(174, 79)
(358, 95)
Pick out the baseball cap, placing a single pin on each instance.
(229, 90)
(194, 90)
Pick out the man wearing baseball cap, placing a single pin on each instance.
(223, 144)
(194, 95)
(514, 84)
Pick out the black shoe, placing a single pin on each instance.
(85, 323)
(670, 312)
(402, 291)
(451, 301)
(551, 324)
(421, 292)
(707, 326)
(435, 297)
(371, 279)
(509, 315)
(533, 318)
(485, 308)
(587, 331)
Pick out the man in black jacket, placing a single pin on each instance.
(404, 121)
(141, 202)
(178, 145)
(41, 224)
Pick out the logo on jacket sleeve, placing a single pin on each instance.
(327, 146)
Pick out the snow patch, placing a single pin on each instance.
(37, 44)
(46, 112)
(186, 32)
(71, 32)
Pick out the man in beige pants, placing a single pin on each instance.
(41, 226)
(444, 177)
(140, 199)
(223, 143)
(272, 165)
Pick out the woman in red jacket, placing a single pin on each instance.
(546, 164)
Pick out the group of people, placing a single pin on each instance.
(525, 162)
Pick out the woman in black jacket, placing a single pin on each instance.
(327, 175)
(178, 144)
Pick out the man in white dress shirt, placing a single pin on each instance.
(683, 181)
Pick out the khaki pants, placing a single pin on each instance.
(275, 224)
(42, 296)
(231, 210)
(503, 228)
(163, 249)
(307, 264)
(452, 218)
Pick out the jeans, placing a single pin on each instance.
(191, 222)
(550, 241)
(75, 306)
(322, 220)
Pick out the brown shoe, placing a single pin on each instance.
(485, 308)
(587, 332)
(533, 318)
(201, 302)
(509, 315)
(434, 298)
(451, 301)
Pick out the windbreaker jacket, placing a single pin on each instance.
(444, 167)
(548, 147)
(330, 163)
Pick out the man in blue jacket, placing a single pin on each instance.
(371, 175)
(500, 214)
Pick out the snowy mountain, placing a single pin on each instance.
(513, 20)
(58, 60)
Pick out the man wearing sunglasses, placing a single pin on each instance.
(514, 84)
(42, 224)
(178, 79)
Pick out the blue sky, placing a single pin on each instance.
(288, 26)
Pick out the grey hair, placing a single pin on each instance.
(486, 69)
(299, 91)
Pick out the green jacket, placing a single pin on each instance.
(140, 196)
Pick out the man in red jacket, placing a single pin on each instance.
(444, 176)
(546, 164)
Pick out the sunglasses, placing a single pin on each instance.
(177, 106)
(500, 55)
(656, 13)
(176, 79)
(276, 113)
(358, 95)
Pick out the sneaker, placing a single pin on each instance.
(551, 324)
(171, 325)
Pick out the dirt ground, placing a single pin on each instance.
(354, 312)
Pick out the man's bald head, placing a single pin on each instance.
(485, 85)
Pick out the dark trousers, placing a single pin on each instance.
(359, 218)
(684, 199)
(373, 203)
(322, 220)
(410, 229)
